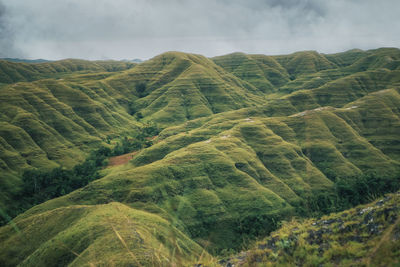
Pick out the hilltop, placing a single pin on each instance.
(222, 150)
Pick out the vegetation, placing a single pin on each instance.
(364, 236)
(39, 186)
(137, 141)
(350, 192)
(11, 72)
(242, 142)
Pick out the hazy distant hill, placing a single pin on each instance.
(245, 141)
(21, 60)
(136, 60)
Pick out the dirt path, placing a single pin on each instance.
(120, 160)
(151, 137)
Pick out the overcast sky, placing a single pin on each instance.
(128, 29)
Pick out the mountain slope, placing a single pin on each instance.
(52, 123)
(365, 236)
(56, 121)
(78, 235)
(175, 87)
(11, 72)
(247, 140)
(263, 72)
(250, 170)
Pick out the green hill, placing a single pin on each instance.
(263, 72)
(11, 72)
(109, 234)
(175, 87)
(364, 236)
(246, 141)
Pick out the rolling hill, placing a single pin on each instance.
(246, 141)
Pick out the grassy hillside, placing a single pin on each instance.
(109, 234)
(250, 173)
(11, 72)
(246, 141)
(364, 236)
(54, 122)
(306, 70)
(175, 87)
(263, 72)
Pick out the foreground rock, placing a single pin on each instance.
(367, 235)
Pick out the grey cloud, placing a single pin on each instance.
(6, 35)
(143, 28)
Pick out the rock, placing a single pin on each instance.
(361, 212)
(328, 222)
(326, 230)
(389, 213)
(380, 203)
(315, 237)
(373, 228)
(369, 217)
(348, 228)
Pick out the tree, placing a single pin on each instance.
(139, 115)
(140, 89)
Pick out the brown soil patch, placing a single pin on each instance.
(151, 137)
(120, 160)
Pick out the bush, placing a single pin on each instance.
(140, 89)
(39, 186)
(349, 192)
(139, 115)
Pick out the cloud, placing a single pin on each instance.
(119, 29)
(7, 46)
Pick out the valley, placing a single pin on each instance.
(183, 159)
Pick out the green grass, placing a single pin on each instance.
(11, 72)
(109, 234)
(246, 141)
(363, 236)
(246, 169)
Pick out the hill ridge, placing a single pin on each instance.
(245, 141)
